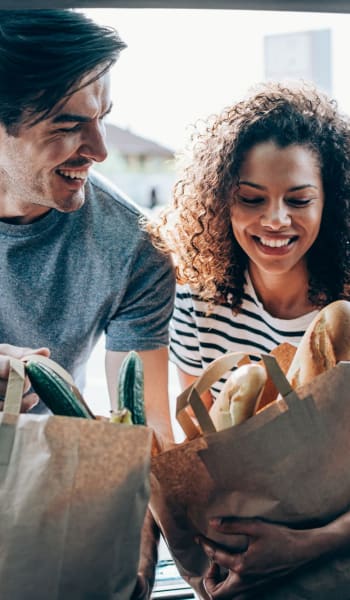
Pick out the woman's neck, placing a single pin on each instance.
(284, 296)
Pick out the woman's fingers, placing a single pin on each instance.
(236, 526)
(226, 558)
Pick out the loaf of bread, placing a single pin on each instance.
(239, 396)
(325, 342)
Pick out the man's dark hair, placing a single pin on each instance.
(44, 54)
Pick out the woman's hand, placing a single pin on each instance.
(273, 551)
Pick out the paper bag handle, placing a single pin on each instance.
(191, 396)
(15, 387)
(300, 411)
(279, 379)
(12, 406)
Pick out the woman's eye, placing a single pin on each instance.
(298, 202)
(252, 201)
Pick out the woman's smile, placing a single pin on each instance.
(276, 246)
(277, 206)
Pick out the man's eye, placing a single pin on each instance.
(69, 129)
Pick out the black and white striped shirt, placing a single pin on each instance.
(196, 338)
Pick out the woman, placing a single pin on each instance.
(260, 230)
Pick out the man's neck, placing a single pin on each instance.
(21, 216)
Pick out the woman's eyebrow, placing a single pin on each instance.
(254, 185)
(301, 187)
(292, 189)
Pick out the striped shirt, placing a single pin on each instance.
(197, 338)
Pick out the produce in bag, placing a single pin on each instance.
(66, 492)
(56, 388)
(289, 463)
(239, 397)
(130, 392)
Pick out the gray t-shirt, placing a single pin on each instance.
(68, 277)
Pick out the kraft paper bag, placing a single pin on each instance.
(73, 496)
(290, 464)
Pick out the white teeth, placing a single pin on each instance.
(74, 174)
(274, 243)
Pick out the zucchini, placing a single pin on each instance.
(131, 388)
(56, 393)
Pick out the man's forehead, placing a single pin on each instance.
(90, 100)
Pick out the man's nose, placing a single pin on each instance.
(93, 146)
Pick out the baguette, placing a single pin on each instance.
(239, 396)
(325, 342)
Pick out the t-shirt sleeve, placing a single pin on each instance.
(141, 321)
(184, 346)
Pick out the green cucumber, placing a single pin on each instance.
(56, 393)
(131, 388)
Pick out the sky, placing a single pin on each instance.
(182, 65)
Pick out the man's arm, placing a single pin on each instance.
(155, 364)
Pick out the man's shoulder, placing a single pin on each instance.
(104, 191)
(110, 211)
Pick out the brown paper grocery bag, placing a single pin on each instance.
(73, 495)
(290, 464)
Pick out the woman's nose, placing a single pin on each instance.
(275, 217)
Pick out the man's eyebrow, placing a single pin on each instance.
(75, 118)
(292, 189)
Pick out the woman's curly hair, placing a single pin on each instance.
(197, 226)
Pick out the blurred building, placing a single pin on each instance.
(303, 55)
(142, 168)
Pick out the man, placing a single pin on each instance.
(75, 262)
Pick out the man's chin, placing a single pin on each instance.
(70, 204)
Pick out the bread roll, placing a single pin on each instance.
(239, 396)
(325, 342)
